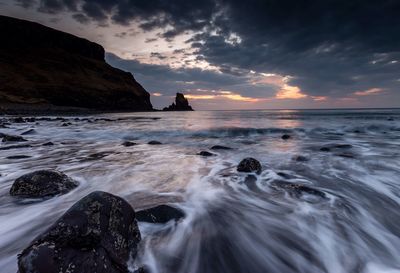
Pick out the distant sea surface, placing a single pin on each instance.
(327, 200)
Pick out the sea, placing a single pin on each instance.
(327, 199)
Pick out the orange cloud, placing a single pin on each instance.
(372, 91)
(222, 94)
(319, 98)
(156, 94)
(290, 92)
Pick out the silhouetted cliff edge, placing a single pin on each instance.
(42, 68)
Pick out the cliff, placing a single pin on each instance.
(180, 104)
(43, 68)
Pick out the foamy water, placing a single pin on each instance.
(347, 221)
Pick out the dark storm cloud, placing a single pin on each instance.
(332, 47)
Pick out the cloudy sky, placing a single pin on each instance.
(232, 54)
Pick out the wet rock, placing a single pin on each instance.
(43, 183)
(18, 156)
(99, 234)
(28, 132)
(300, 158)
(160, 214)
(343, 146)
(128, 143)
(65, 124)
(248, 165)
(98, 155)
(297, 189)
(220, 147)
(205, 153)
(154, 142)
(48, 144)
(32, 119)
(15, 147)
(284, 175)
(11, 138)
(325, 149)
(18, 120)
(286, 137)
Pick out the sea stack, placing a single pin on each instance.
(180, 104)
(46, 70)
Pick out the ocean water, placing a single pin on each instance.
(338, 211)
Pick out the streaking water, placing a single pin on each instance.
(347, 220)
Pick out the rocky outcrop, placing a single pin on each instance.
(160, 214)
(249, 165)
(43, 183)
(180, 104)
(43, 69)
(99, 234)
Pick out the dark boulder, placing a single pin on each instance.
(18, 156)
(160, 214)
(10, 138)
(154, 142)
(325, 149)
(300, 158)
(286, 137)
(249, 165)
(42, 183)
(181, 104)
(48, 144)
(99, 234)
(205, 153)
(220, 147)
(128, 143)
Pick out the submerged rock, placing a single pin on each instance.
(297, 189)
(286, 137)
(18, 156)
(99, 234)
(300, 158)
(128, 143)
(159, 214)
(205, 153)
(10, 138)
(220, 147)
(42, 183)
(154, 142)
(48, 144)
(249, 165)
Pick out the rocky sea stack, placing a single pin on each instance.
(43, 69)
(180, 104)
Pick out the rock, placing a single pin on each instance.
(28, 132)
(99, 155)
(48, 144)
(249, 165)
(181, 104)
(44, 70)
(160, 214)
(154, 142)
(325, 149)
(43, 183)
(98, 233)
(220, 147)
(297, 189)
(286, 137)
(343, 146)
(300, 158)
(10, 138)
(15, 147)
(19, 120)
(128, 143)
(18, 156)
(205, 153)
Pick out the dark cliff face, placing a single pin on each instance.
(180, 104)
(40, 66)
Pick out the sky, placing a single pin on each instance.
(231, 54)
